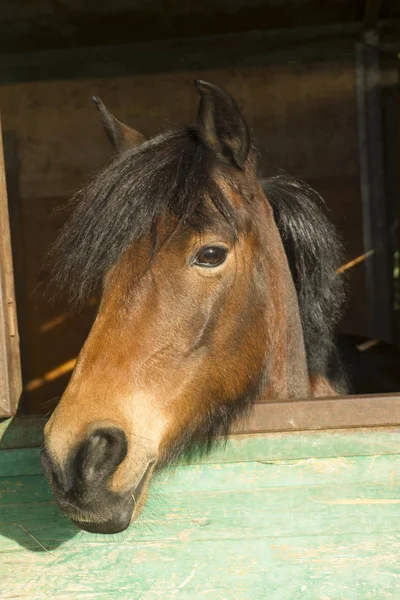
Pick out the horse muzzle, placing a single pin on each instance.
(82, 489)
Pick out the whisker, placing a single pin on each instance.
(33, 537)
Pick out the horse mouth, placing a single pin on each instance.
(118, 523)
(126, 514)
(139, 496)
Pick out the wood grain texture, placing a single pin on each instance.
(348, 412)
(21, 432)
(323, 413)
(248, 448)
(295, 516)
(10, 368)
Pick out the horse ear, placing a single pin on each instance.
(121, 136)
(221, 126)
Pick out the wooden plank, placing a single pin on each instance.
(250, 48)
(10, 368)
(378, 268)
(252, 447)
(358, 566)
(21, 432)
(371, 14)
(22, 461)
(347, 412)
(285, 530)
(264, 509)
(391, 136)
(233, 477)
(323, 414)
(12, 171)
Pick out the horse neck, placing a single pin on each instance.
(287, 373)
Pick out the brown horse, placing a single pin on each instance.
(215, 294)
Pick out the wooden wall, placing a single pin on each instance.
(303, 115)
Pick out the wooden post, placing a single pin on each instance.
(373, 189)
(391, 129)
(10, 368)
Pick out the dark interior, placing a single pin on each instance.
(301, 71)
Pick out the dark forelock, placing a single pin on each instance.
(170, 173)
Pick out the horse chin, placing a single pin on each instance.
(126, 514)
(118, 523)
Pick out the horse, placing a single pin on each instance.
(216, 293)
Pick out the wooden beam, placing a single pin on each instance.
(12, 170)
(347, 412)
(373, 190)
(10, 369)
(391, 134)
(265, 447)
(371, 14)
(218, 51)
(276, 46)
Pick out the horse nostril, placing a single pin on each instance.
(50, 468)
(101, 453)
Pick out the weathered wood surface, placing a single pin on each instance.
(347, 412)
(310, 516)
(21, 432)
(10, 368)
(323, 413)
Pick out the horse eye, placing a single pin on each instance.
(210, 256)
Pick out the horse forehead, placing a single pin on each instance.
(235, 187)
(173, 239)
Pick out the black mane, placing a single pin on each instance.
(314, 252)
(170, 173)
(173, 173)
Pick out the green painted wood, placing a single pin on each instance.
(306, 567)
(266, 513)
(233, 476)
(21, 432)
(18, 436)
(266, 519)
(20, 461)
